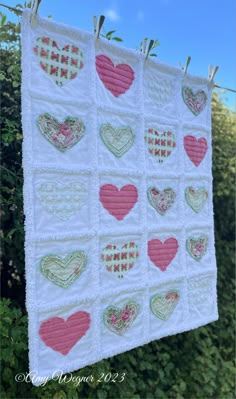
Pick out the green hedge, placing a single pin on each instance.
(196, 364)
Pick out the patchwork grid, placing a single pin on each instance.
(164, 292)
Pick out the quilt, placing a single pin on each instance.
(119, 240)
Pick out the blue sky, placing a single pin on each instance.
(203, 29)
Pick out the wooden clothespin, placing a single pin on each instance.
(187, 64)
(212, 75)
(97, 25)
(149, 47)
(35, 6)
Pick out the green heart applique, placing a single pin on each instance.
(163, 306)
(119, 320)
(118, 140)
(196, 198)
(63, 271)
(197, 246)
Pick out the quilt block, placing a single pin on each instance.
(117, 197)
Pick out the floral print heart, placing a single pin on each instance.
(61, 65)
(118, 202)
(161, 201)
(61, 335)
(119, 320)
(196, 198)
(120, 260)
(160, 146)
(62, 135)
(162, 253)
(196, 102)
(195, 148)
(116, 78)
(162, 306)
(118, 140)
(62, 200)
(63, 271)
(197, 246)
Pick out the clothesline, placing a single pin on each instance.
(36, 4)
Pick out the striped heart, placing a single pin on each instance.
(196, 102)
(119, 320)
(116, 78)
(162, 253)
(197, 246)
(161, 200)
(63, 271)
(118, 202)
(119, 261)
(62, 135)
(195, 148)
(196, 198)
(163, 306)
(61, 65)
(118, 140)
(160, 146)
(61, 335)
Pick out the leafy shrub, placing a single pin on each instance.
(196, 364)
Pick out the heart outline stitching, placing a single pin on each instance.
(111, 143)
(196, 204)
(162, 306)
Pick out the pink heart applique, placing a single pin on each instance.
(162, 253)
(61, 335)
(116, 78)
(118, 202)
(195, 148)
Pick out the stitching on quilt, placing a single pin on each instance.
(62, 135)
(119, 261)
(63, 271)
(61, 65)
(118, 140)
(161, 201)
(62, 200)
(196, 102)
(160, 146)
(196, 198)
(163, 305)
(116, 78)
(197, 246)
(118, 320)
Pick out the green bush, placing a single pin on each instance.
(196, 364)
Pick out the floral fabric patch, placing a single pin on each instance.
(119, 320)
(196, 102)
(161, 201)
(196, 198)
(197, 246)
(62, 135)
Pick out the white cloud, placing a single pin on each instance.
(112, 15)
(140, 15)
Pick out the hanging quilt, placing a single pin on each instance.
(117, 197)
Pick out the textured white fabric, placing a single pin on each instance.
(64, 213)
